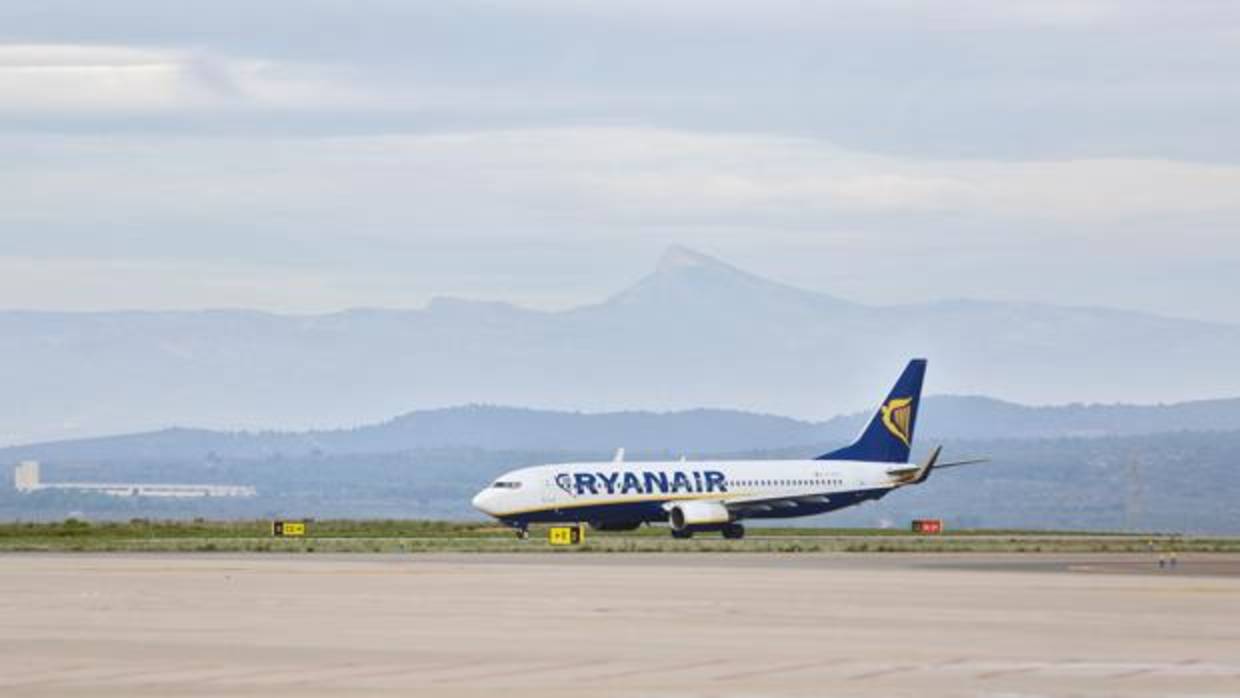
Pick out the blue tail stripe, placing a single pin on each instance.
(889, 435)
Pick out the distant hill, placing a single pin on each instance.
(675, 433)
(986, 418)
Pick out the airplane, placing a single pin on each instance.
(716, 495)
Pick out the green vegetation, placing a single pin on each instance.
(414, 536)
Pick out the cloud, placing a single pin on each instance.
(301, 136)
(848, 15)
(656, 170)
(575, 182)
(652, 170)
(51, 77)
(84, 82)
(1046, 80)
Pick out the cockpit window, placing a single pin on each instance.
(506, 484)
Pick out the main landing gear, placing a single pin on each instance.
(732, 531)
(521, 531)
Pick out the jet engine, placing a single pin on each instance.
(686, 515)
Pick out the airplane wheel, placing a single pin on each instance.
(682, 535)
(734, 531)
(522, 534)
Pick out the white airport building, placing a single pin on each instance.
(26, 479)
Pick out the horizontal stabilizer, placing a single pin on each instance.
(958, 463)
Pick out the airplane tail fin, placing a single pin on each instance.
(889, 435)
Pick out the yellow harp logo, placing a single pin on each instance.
(896, 415)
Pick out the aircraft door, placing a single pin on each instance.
(548, 491)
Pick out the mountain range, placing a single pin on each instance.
(673, 434)
(695, 332)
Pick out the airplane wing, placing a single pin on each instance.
(906, 475)
(765, 503)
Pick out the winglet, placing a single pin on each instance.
(915, 475)
(923, 473)
(619, 455)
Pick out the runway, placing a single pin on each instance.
(618, 625)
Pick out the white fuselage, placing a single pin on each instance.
(609, 491)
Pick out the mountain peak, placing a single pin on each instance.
(699, 284)
(678, 257)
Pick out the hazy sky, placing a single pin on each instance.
(308, 155)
